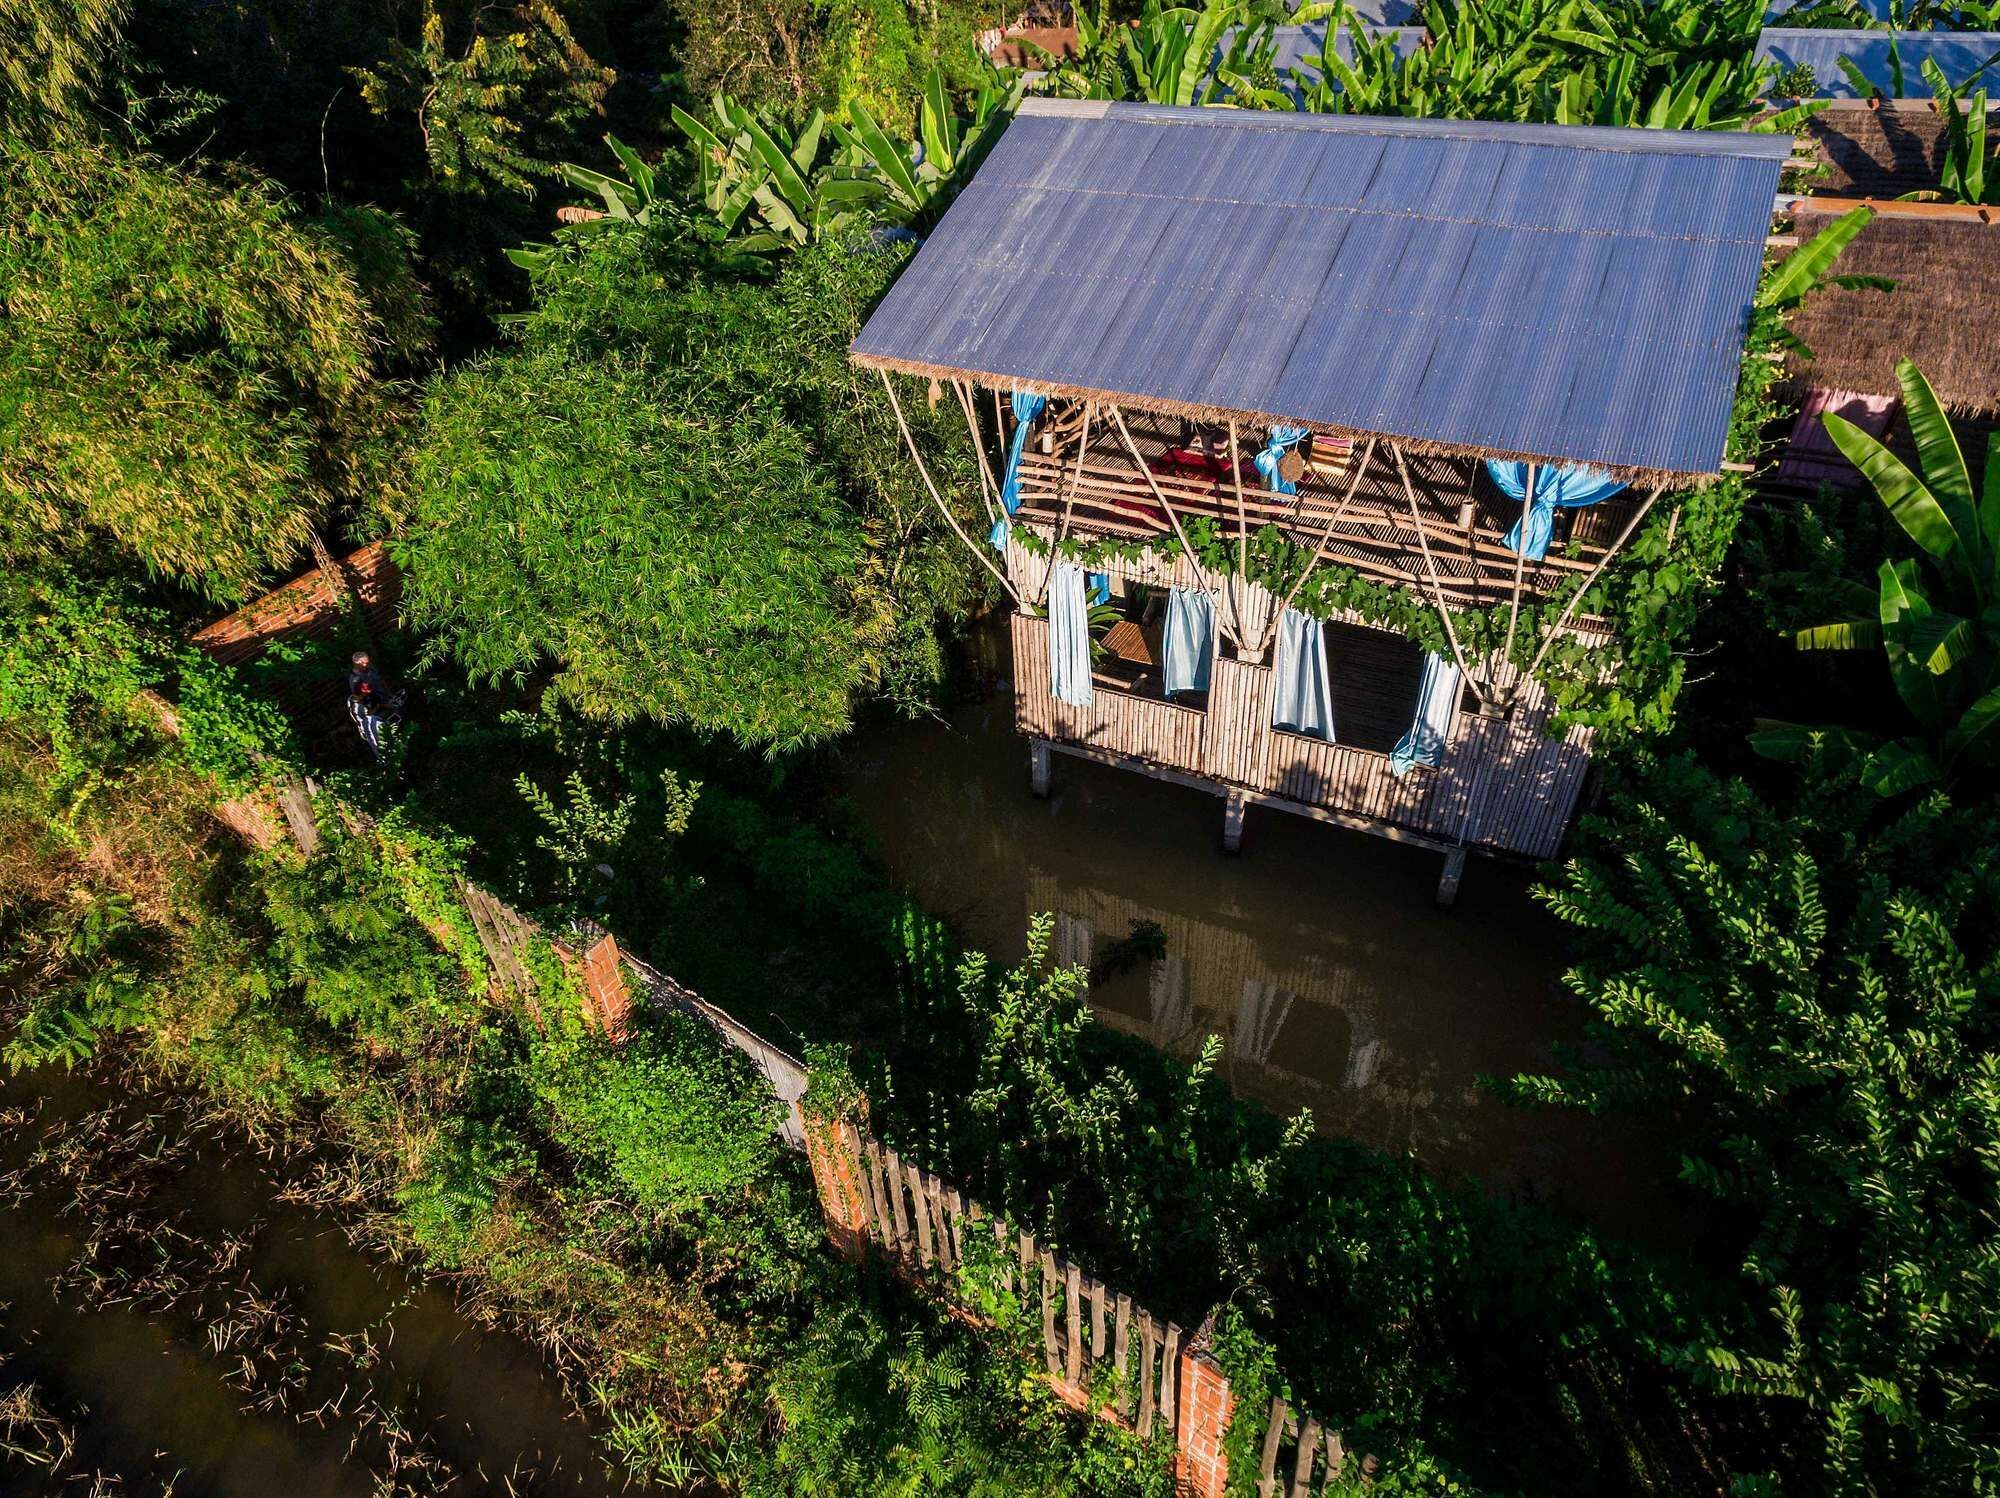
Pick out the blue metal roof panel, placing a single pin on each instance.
(1958, 54)
(1544, 291)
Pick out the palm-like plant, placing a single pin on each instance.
(1935, 618)
(919, 181)
(1962, 177)
(745, 160)
(1660, 64)
(1808, 269)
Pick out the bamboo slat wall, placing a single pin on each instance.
(1502, 783)
(1146, 728)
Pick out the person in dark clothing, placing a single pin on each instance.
(368, 701)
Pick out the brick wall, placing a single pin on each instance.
(834, 1148)
(1201, 1469)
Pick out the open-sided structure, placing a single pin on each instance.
(1259, 396)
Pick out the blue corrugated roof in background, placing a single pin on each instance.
(1958, 54)
(1536, 290)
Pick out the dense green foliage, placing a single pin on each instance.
(1664, 64)
(186, 368)
(631, 492)
(793, 56)
(1809, 994)
(630, 1203)
(1932, 616)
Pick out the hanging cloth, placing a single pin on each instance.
(1301, 697)
(1562, 486)
(1097, 587)
(1189, 643)
(1280, 441)
(1028, 405)
(1437, 701)
(1069, 636)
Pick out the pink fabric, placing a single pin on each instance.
(1810, 458)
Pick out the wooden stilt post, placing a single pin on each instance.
(1232, 820)
(1038, 767)
(1454, 870)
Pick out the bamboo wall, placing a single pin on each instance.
(1502, 784)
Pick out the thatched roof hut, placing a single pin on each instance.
(1877, 150)
(1944, 312)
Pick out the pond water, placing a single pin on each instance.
(1316, 953)
(186, 1330)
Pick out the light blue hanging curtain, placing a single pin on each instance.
(1069, 636)
(1567, 486)
(1027, 406)
(1437, 700)
(1280, 441)
(1190, 641)
(1301, 696)
(1097, 587)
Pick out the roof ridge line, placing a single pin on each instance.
(1623, 139)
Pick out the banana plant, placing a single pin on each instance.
(1935, 618)
(1963, 176)
(750, 166)
(1807, 270)
(918, 180)
(625, 202)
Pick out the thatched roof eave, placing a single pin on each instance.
(1639, 478)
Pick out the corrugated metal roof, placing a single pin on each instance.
(1958, 54)
(1539, 291)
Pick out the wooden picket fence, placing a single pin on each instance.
(1101, 1351)
(1095, 1341)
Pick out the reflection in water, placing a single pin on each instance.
(1316, 954)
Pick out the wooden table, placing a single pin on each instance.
(1128, 642)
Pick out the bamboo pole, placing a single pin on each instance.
(1326, 531)
(989, 487)
(945, 509)
(1430, 568)
(1562, 619)
(1062, 525)
(1242, 582)
(1188, 550)
(1520, 559)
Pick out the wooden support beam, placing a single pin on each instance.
(1062, 526)
(1444, 614)
(943, 508)
(1181, 535)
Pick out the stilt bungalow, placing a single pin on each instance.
(1270, 405)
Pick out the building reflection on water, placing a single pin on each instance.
(1316, 955)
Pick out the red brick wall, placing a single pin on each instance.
(1201, 1468)
(607, 1002)
(834, 1149)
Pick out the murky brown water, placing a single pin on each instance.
(156, 1405)
(1317, 954)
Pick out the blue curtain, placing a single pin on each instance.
(1097, 587)
(1190, 641)
(1437, 700)
(1069, 636)
(1027, 406)
(1301, 697)
(1280, 441)
(1567, 486)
